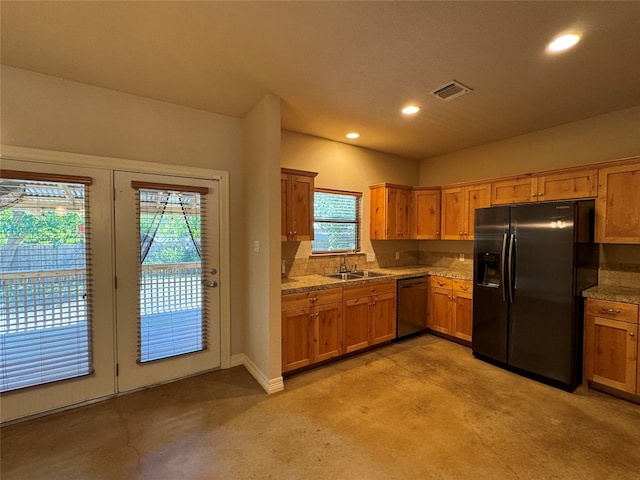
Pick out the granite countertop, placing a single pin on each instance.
(307, 283)
(614, 293)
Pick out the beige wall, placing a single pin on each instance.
(598, 139)
(41, 111)
(347, 167)
(262, 201)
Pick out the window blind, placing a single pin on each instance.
(45, 281)
(337, 221)
(172, 317)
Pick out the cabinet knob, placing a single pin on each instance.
(631, 334)
(437, 233)
(533, 194)
(460, 233)
(540, 194)
(465, 233)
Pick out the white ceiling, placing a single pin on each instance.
(343, 66)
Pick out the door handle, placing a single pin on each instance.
(502, 264)
(510, 266)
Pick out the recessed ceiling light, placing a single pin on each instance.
(563, 42)
(353, 135)
(410, 109)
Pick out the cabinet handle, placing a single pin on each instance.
(314, 299)
(610, 311)
(464, 287)
(441, 284)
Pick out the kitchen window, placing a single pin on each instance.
(337, 221)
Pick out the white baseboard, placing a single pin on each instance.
(269, 385)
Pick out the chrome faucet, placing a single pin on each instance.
(343, 265)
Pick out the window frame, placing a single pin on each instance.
(357, 222)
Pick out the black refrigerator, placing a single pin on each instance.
(531, 263)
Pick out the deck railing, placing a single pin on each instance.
(34, 300)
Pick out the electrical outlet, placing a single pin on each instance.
(371, 257)
(397, 255)
(283, 267)
(461, 257)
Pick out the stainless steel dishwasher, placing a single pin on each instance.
(412, 306)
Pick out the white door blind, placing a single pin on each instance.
(171, 319)
(45, 282)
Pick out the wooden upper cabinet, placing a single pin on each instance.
(475, 196)
(618, 204)
(425, 213)
(389, 211)
(458, 209)
(296, 203)
(582, 183)
(452, 213)
(514, 190)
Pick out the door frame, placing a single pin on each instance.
(51, 157)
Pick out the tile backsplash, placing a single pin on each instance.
(619, 265)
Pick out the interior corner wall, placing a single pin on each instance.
(45, 112)
(261, 245)
(598, 139)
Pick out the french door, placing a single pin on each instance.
(56, 295)
(167, 263)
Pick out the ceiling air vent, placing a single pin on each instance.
(450, 91)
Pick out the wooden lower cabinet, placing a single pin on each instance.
(311, 328)
(611, 345)
(369, 315)
(323, 324)
(451, 307)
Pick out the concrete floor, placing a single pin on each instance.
(421, 409)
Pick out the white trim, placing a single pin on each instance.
(268, 385)
(111, 163)
(237, 360)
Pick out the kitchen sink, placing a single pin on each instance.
(358, 275)
(369, 274)
(345, 276)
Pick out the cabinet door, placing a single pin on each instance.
(462, 318)
(285, 210)
(441, 310)
(513, 191)
(476, 196)
(426, 214)
(377, 210)
(612, 353)
(302, 207)
(618, 204)
(568, 185)
(356, 324)
(452, 214)
(296, 339)
(398, 201)
(402, 213)
(327, 331)
(383, 318)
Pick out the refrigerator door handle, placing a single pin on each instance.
(510, 267)
(502, 260)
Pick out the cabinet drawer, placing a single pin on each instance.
(369, 290)
(463, 286)
(441, 282)
(624, 312)
(309, 299)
